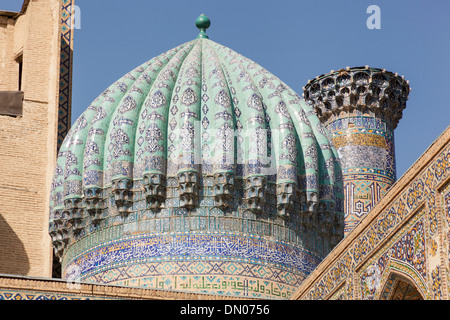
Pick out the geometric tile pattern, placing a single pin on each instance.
(65, 77)
(406, 249)
(367, 155)
(18, 295)
(201, 281)
(65, 81)
(361, 195)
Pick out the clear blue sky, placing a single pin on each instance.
(295, 40)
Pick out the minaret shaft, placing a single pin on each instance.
(360, 108)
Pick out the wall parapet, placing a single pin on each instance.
(14, 287)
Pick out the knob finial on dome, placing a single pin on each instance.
(202, 24)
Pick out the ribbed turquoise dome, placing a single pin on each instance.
(196, 148)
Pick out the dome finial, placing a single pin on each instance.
(202, 24)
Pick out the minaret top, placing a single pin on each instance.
(363, 88)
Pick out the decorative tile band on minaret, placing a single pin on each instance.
(361, 107)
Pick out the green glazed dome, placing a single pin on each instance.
(199, 142)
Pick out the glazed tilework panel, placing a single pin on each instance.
(222, 263)
(215, 279)
(415, 225)
(407, 250)
(340, 293)
(365, 146)
(362, 192)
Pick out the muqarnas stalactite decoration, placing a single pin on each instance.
(285, 198)
(155, 189)
(223, 189)
(188, 183)
(123, 195)
(255, 193)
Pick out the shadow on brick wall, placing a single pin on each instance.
(13, 258)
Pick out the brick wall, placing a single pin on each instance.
(28, 143)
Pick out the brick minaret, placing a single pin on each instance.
(361, 107)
